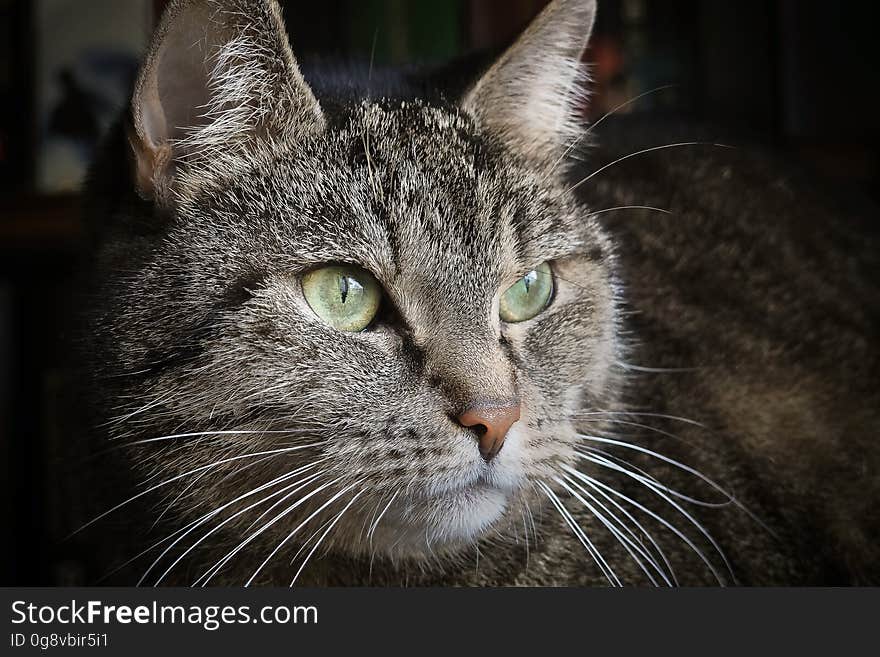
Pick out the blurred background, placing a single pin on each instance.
(795, 74)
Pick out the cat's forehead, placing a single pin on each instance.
(408, 190)
(443, 188)
(415, 120)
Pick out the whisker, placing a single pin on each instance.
(638, 525)
(686, 468)
(638, 425)
(630, 537)
(196, 523)
(684, 537)
(186, 489)
(642, 152)
(595, 123)
(312, 536)
(186, 474)
(367, 518)
(657, 415)
(234, 473)
(324, 535)
(192, 434)
(629, 102)
(266, 512)
(629, 207)
(213, 570)
(656, 370)
(644, 474)
(297, 486)
(381, 515)
(676, 506)
(296, 529)
(522, 512)
(365, 138)
(607, 571)
(665, 459)
(621, 538)
(155, 402)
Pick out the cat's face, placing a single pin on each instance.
(446, 212)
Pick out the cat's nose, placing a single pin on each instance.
(491, 423)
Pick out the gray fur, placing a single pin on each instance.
(205, 331)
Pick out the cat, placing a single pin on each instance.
(405, 336)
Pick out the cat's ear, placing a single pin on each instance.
(532, 95)
(219, 74)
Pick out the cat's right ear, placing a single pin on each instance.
(218, 77)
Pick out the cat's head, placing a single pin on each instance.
(390, 313)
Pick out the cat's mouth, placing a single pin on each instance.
(493, 477)
(482, 484)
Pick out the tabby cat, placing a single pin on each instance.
(386, 332)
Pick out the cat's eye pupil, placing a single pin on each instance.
(343, 287)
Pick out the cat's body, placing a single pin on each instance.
(759, 294)
(734, 336)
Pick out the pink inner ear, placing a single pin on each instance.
(152, 118)
(176, 92)
(171, 96)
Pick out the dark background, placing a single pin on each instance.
(798, 75)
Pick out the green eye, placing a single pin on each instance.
(344, 296)
(528, 296)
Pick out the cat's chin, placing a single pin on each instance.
(441, 523)
(465, 515)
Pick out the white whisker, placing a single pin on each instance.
(641, 152)
(607, 571)
(188, 473)
(665, 459)
(189, 486)
(324, 535)
(598, 121)
(375, 524)
(642, 414)
(635, 522)
(629, 544)
(213, 570)
(628, 207)
(296, 486)
(296, 529)
(639, 474)
(664, 522)
(656, 370)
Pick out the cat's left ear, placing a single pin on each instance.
(531, 97)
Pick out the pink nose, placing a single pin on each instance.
(491, 424)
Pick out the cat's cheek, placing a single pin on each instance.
(530, 454)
